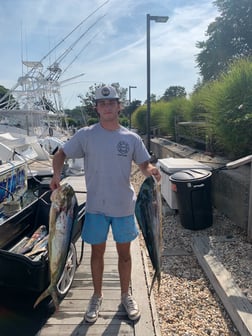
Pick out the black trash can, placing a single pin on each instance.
(193, 190)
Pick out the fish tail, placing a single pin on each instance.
(41, 297)
(49, 291)
(55, 300)
(156, 276)
(153, 280)
(159, 280)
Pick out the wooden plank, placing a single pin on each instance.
(85, 294)
(113, 320)
(107, 284)
(67, 318)
(109, 267)
(145, 324)
(74, 324)
(79, 305)
(109, 259)
(110, 274)
(236, 304)
(151, 295)
(87, 330)
(110, 247)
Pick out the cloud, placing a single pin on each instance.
(113, 46)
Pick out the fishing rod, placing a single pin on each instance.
(70, 48)
(69, 34)
(53, 49)
(83, 48)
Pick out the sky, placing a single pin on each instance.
(104, 41)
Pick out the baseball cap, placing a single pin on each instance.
(106, 92)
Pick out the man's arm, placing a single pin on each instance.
(149, 169)
(57, 164)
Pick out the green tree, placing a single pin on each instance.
(229, 38)
(129, 109)
(153, 98)
(174, 92)
(88, 101)
(78, 115)
(6, 98)
(232, 121)
(225, 106)
(139, 119)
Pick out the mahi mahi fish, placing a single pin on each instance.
(38, 248)
(27, 244)
(148, 212)
(61, 219)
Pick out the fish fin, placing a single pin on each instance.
(153, 280)
(156, 276)
(51, 290)
(55, 300)
(159, 280)
(42, 297)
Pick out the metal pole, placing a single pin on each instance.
(161, 19)
(129, 107)
(148, 81)
(130, 87)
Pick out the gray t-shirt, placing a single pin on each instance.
(108, 157)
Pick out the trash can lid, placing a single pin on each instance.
(190, 175)
(172, 165)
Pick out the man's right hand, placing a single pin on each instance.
(55, 182)
(58, 162)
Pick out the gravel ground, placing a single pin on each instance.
(186, 303)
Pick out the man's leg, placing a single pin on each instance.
(124, 268)
(97, 266)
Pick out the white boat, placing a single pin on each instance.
(23, 148)
(26, 147)
(31, 115)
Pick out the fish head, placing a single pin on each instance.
(61, 197)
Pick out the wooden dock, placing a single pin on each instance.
(113, 320)
(17, 316)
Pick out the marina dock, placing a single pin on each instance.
(113, 320)
(17, 316)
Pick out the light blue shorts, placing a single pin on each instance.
(96, 227)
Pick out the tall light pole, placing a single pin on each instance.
(130, 87)
(160, 19)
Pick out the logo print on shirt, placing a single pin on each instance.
(123, 148)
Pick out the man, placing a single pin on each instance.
(108, 150)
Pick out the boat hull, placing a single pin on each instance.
(19, 271)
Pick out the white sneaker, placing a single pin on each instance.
(93, 308)
(131, 307)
